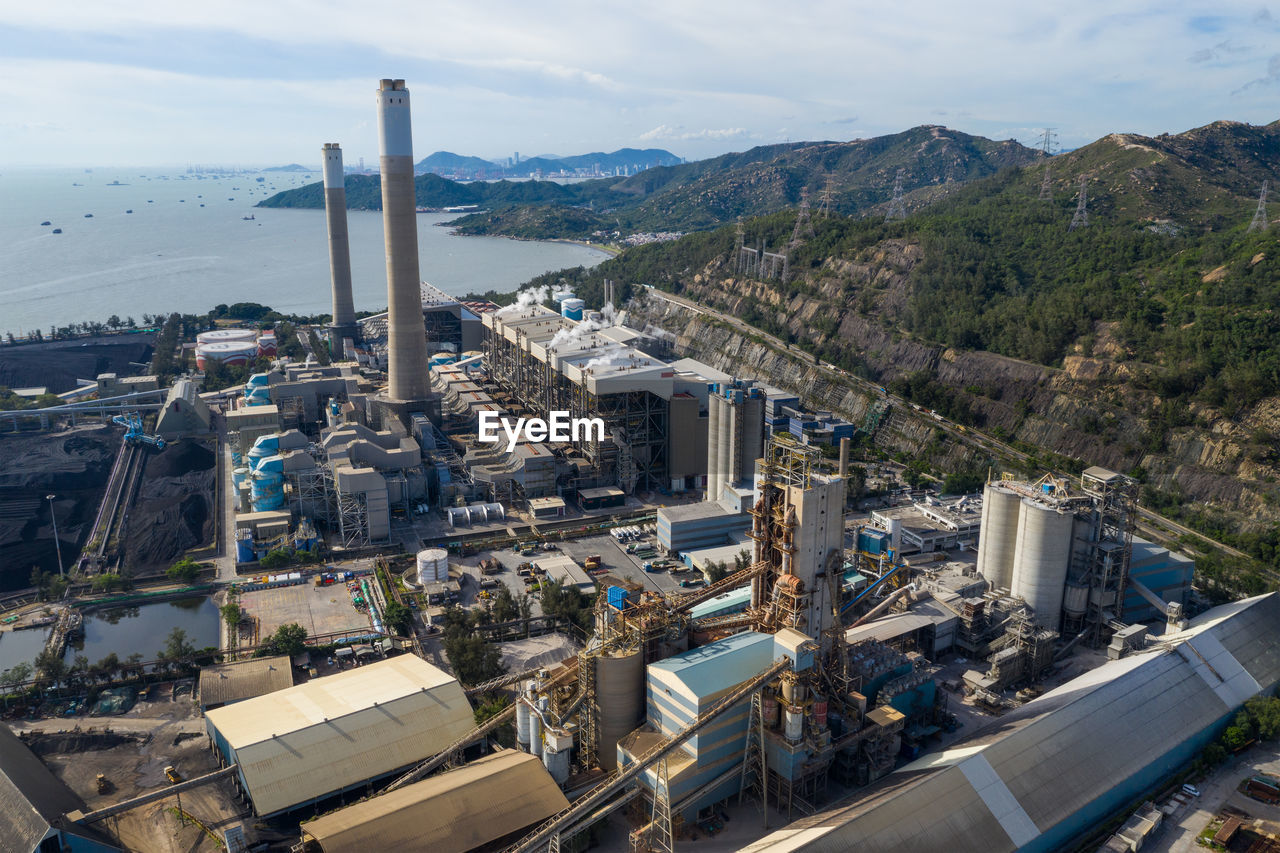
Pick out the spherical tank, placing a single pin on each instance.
(620, 693)
(1041, 559)
(998, 535)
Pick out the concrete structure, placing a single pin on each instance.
(470, 808)
(735, 436)
(1041, 559)
(564, 570)
(184, 412)
(699, 525)
(997, 542)
(925, 528)
(300, 745)
(33, 805)
(1066, 762)
(335, 210)
(406, 334)
(111, 385)
(228, 683)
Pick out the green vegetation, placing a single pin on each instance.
(473, 660)
(705, 193)
(231, 614)
(399, 618)
(568, 603)
(185, 570)
(110, 582)
(289, 639)
(1258, 720)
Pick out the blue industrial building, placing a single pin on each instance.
(1160, 570)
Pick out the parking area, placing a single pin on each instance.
(319, 609)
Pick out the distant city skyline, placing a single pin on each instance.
(145, 83)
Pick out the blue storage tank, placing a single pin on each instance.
(244, 547)
(572, 308)
(618, 597)
(873, 541)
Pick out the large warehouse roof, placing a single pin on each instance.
(1061, 764)
(304, 742)
(455, 811)
(225, 683)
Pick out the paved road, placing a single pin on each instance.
(1178, 835)
(966, 435)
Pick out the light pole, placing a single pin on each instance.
(54, 517)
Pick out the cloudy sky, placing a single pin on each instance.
(143, 82)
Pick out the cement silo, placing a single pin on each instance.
(998, 535)
(735, 437)
(407, 377)
(620, 697)
(1041, 559)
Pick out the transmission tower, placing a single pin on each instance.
(660, 838)
(1081, 219)
(824, 200)
(1047, 140)
(897, 207)
(1259, 222)
(804, 226)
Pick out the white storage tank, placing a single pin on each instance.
(220, 336)
(1041, 559)
(998, 535)
(895, 535)
(795, 723)
(523, 713)
(433, 565)
(226, 352)
(555, 753)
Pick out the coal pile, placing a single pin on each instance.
(173, 510)
(74, 465)
(57, 365)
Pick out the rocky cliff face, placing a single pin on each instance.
(1090, 409)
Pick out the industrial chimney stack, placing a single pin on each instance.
(406, 332)
(335, 208)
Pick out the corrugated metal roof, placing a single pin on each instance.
(703, 673)
(450, 813)
(1031, 780)
(233, 682)
(299, 744)
(887, 628)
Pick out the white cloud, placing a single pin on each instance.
(663, 131)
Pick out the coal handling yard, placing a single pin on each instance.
(705, 648)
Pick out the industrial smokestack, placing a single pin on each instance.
(335, 209)
(406, 332)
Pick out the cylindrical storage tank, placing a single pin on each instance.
(819, 711)
(225, 352)
(998, 534)
(620, 694)
(795, 723)
(218, 336)
(1041, 559)
(572, 308)
(1076, 600)
(433, 565)
(895, 535)
(557, 764)
(561, 295)
(244, 547)
(770, 708)
(535, 734)
(522, 723)
(267, 345)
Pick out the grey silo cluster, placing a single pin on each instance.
(735, 436)
(1025, 547)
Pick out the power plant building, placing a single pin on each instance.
(735, 436)
(297, 746)
(1065, 762)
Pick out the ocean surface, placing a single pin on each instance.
(186, 247)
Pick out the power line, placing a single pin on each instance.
(1081, 219)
